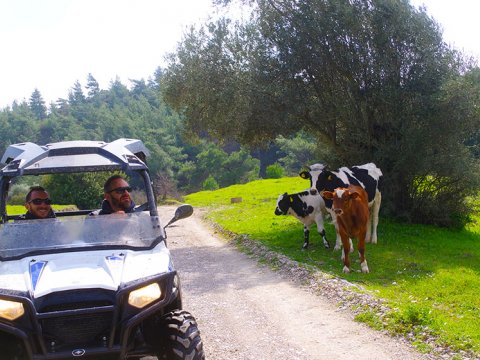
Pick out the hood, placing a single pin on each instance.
(45, 274)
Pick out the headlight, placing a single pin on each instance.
(11, 310)
(144, 296)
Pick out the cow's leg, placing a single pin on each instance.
(375, 212)
(368, 237)
(361, 253)
(306, 236)
(345, 253)
(338, 240)
(321, 230)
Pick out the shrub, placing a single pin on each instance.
(274, 171)
(210, 183)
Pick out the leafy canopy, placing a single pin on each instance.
(372, 80)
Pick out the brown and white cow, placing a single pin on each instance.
(351, 209)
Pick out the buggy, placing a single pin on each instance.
(89, 287)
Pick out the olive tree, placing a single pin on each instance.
(372, 80)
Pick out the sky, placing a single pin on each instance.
(459, 20)
(50, 44)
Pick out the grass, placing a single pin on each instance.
(427, 275)
(20, 209)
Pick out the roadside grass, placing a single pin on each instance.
(20, 209)
(427, 275)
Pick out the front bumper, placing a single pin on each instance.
(88, 323)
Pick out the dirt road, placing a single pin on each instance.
(246, 311)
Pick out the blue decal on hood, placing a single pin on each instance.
(35, 272)
(113, 258)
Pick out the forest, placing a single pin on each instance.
(337, 82)
(178, 164)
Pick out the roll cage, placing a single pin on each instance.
(127, 155)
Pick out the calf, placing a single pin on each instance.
(308, 209)
(351, 208)
(367, 176)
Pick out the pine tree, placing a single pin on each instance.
(92, 86)
(37, 105)
(76, 96)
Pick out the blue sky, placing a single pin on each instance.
(50, 44)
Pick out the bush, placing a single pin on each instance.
(16, 195)
(210, 183)
(274, 171)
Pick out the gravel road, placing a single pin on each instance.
(246, 311)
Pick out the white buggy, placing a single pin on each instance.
(89, 287)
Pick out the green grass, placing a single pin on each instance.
(20, 209)
(427, 275)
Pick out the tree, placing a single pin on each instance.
(76, 96)
(370, 79)
(37, 105)
(165, 186)
(298, 151)
(83, 190)
(212, 161)
(139, 87)
(118, 93)
(21, 125)
(239, 167)
(93, 88)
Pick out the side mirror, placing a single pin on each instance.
(182, 212)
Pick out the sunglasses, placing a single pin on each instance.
(121, 190)
(46, 201)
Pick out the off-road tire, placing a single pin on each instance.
(180, 337)
(11, 348)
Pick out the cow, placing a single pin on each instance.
(368, 176)
(308, 209)
(351, 208)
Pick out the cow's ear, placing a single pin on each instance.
(304, 175)
(354, 195)
(326, 194)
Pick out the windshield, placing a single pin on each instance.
(27, 237)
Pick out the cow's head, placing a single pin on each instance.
(283, 204)
(319, 176)
(341, 198)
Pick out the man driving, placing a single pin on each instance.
(117, 196)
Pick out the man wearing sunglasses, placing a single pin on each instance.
(38, 205)
(116, 196)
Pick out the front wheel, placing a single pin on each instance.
(11, 348)
(179, 337)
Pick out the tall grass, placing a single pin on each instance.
(428, 275)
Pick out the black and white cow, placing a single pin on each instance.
(367, 176)
(308, 209)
